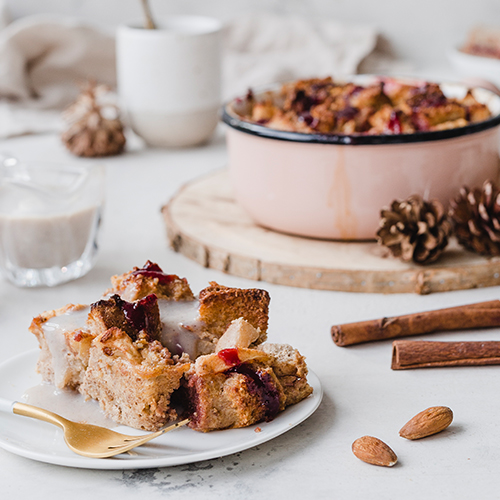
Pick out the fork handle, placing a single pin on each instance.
(39, 413)
(31, 411)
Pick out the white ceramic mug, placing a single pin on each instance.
(169, 79)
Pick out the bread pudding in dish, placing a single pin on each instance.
(150, 351)
(321, 157)
(386, 106)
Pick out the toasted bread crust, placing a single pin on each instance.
(230, 400)
(108, 313)
(134, 286)
(291, 369)
(220, 305)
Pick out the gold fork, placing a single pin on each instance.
(86, 439)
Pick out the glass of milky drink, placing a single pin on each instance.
(49, 221)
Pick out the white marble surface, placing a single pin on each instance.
(362, 394)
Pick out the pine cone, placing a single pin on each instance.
(94, 126)
(414, 229)
(475, 215)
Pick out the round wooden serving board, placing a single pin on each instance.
(205, 223)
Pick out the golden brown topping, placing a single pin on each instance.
(106, 336)
(385, 107)
(108, 351)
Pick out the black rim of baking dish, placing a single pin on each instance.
(237, 123)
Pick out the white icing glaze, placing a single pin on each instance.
(181, 326)
(54, 330)
(181, 329)
(67, 403)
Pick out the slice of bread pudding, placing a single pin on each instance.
(238, 386)
(132, 380)
(150, 351)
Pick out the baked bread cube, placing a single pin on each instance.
(191, 324)
(133, 381)
(195, 326)
(476, 111)
(387, 120)
(372, 97)
(290, 369)
(141, 282)
(262, 112)
(220, 305)
(64, 341)
(287, 363)
(460, 122)
(431, 116)
(238, 386)
(141, 316)
(233, 388)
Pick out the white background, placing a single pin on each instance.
(421, 31)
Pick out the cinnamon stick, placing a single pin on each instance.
(479, 315)
(409, 354)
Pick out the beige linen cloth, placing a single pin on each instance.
(43, 59)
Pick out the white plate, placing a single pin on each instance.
(44, 442)
(478, 67)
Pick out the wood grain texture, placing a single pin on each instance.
(205, 224)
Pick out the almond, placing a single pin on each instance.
(374, 451)
(427, 422)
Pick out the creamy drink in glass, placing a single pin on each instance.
(49, 221)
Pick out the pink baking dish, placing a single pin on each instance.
(333, 186)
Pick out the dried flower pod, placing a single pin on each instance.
(475, 215)
(94, 127)
(414, 229)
